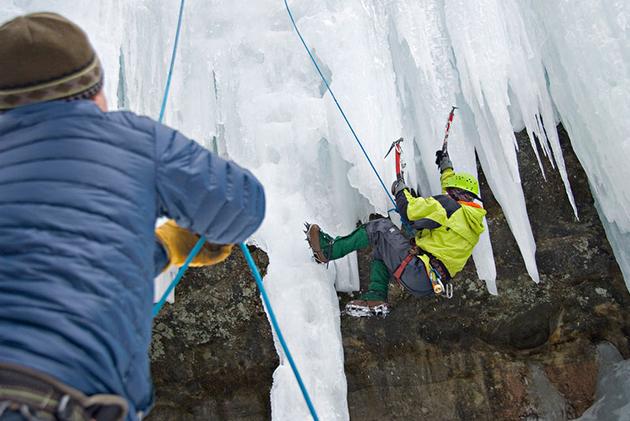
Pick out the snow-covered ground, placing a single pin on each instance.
(244, 87)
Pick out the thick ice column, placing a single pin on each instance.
(499, 73)
(586, 52)
(276, 122)
(352, 42)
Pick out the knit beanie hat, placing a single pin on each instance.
(43, 57)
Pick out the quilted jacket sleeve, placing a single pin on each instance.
(421, 208)
(444, 176)
(205, 193)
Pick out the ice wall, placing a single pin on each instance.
(244, 87)
(585, 47)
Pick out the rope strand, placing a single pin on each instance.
(172, 65)
(248, 257)
(158, 306)
(276, 327)
(338, 105)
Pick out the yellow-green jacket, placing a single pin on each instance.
(447, 229)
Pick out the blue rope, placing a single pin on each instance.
(250, 261)
(158, 306)
(276, 327)
(337, 103)
(195, 250)
(173, 55)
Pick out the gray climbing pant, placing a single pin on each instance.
(391, 246)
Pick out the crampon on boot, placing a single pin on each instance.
(314, 236)
(364, 308)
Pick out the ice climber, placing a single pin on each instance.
(447, 228)
(80, 191)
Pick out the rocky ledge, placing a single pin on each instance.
(528, 353)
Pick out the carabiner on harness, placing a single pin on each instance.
(438, 287)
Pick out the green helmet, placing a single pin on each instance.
(464, 181)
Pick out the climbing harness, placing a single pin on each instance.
(437, 284)
(243, 247)
(401, 268)
(37, 396)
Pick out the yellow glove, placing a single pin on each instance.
(178, 243)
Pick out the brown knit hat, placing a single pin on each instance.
(43, 57)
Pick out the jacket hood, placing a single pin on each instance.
(473, 215)
(30, 115)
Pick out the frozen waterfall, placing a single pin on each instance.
(245, 88)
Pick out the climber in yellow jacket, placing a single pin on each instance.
(447, 228)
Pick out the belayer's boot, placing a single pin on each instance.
(325, 248)
(374, 301)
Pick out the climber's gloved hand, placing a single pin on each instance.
(178, 242)
(443, 161)
(398, 186)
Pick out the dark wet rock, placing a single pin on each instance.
(476, 356)
(488, 345)
(212, 352)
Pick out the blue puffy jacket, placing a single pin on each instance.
(80, 191)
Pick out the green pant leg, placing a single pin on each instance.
(379, 282)
(341, 246)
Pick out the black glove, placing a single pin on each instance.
(398, 186)
(442, 160)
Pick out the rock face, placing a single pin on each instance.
(527, 354)
(212, 352)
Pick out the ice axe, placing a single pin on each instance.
(396, 146)
(448, 129)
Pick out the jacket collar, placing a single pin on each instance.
(473, 204)
(31, 114)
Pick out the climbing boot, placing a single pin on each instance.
(319, 241)
(325, 248)
(365, 308)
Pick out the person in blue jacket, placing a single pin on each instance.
(80, 191)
